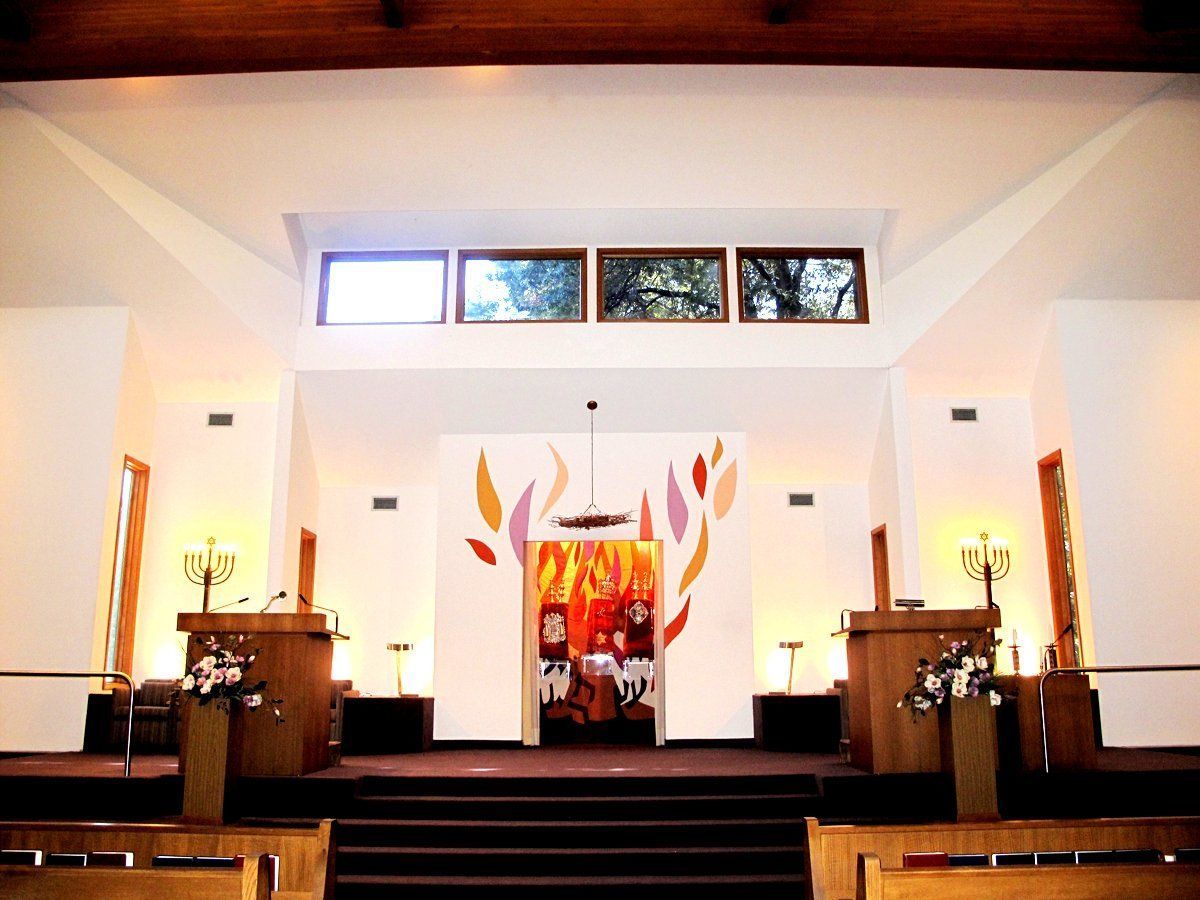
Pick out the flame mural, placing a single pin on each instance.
(691, 515)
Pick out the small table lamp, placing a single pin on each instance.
(791, 647)
(400, 650)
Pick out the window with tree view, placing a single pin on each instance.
(520, 285)
(683, 285)
(802, 285)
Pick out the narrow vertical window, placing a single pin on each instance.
(127, 565)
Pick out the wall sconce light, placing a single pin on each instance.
(1016, 653)
(791, 647)
(208, 564)
(400, 650)
(985, 559)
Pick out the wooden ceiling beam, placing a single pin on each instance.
(101, 38)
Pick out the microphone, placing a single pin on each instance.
(227, 605)
(309, 603)
(280, 596)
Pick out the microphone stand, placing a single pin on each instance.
(312, 605)
(280, 596)
(227, 605)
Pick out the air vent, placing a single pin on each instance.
(383, 503)
(801, 500)
(964, 414)
(220, 420)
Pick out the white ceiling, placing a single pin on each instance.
(382, 428)
(934, 147)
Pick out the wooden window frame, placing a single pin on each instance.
(307, 576)
(333, 256)
(852, 253)
(1064, 586)
(881, 568)
(131, 571)
(565, 253)
(718, 253)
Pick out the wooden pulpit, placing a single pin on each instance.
(882, 651)
(295, 658)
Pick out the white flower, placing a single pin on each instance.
(931, 682)
(968, 664)
(900, 704)
(206, 687)
(960, 677)
(208, 662)
(994, 697)
(233, 675)
(188, 683)
(959, 689)
(982, 662)
(252, 700)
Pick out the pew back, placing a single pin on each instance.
(1150, 881)
(833, 850)
(305, 854)
(251, 882)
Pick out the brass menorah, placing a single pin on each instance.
(986, 559)
(208, 564)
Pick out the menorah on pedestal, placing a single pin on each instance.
(208, 564)
(986, 559)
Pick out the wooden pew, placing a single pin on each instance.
(251, 882)
(306, 855)
(1148, 881)
(833, 850)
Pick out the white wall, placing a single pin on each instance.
(890, 491)
(1132, 379)
(60, 380)
(295, 495)
(376, 568)
(982, 476)
(709, 669)
(808, 564)
(203, 481)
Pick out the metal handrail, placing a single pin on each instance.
(1079, 670)
(16, 673)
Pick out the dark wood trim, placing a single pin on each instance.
(306, 580)
(120, 38)
(880, 568)
(460, 290)
(718, 253)
(132, 569)
(381, 256)
(1061, 611)
(853, 253)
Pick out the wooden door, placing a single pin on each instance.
(1060, 560)
(308, 564)
(879, 565)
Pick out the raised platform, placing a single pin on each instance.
(526, 823)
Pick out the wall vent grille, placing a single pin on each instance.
(220, 420)
(802, 500)
(964, 414)
(383, 503)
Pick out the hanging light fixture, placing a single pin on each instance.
(592, 517)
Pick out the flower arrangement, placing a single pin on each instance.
(220, 676)
(965, 669)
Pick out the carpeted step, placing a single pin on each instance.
(626, 861)
(544, 834)
(591, 808)
(619, 784)
(415, 887)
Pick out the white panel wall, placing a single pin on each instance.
(1132, 379)
(808, 563)
(976, 476)
(376, 568)
(60, 379)
(203, 481)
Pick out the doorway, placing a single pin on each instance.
(127, 566)
(879, 566)
(593, 643)
(308, 564)
(1060, 558)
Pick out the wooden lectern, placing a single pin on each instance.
(295, 658)
(882, 651)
